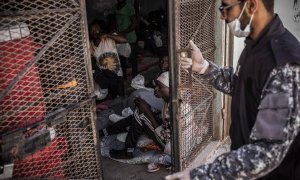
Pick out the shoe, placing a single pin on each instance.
(120, 154)
(153, 167)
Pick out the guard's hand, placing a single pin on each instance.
(196, 60)
(183, 175)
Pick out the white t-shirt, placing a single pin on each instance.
(107, 56)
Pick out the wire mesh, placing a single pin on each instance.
(43, 69)
(195, 21)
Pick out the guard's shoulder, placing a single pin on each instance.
(286, 48)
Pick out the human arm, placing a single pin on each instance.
(117, 38)
(275, 129)
(221, 78)
(144, 108)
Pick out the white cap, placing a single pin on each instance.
(164, 78)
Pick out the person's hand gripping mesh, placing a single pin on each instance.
(198, 63)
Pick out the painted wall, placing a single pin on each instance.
(289, 13)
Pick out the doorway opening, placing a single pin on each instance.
(150, 51)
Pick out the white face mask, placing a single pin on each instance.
(235, 26)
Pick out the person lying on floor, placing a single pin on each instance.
(144, 121)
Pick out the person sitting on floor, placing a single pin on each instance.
(144, 121)
(108, 71)
(146, 93)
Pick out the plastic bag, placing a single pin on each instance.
(100, 93)
(138, 82)
(127, 112)
(115, 118)
(122, 137)
(158, 41)
(167, 149)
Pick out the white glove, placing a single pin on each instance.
(183, 175)
(198, 63)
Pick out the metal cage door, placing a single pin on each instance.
(192, 99)
(47, 110)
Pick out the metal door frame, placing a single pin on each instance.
(221, 53)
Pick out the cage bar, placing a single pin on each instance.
(195, 20)
(44, 68)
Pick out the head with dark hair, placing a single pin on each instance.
(269, 5)
(163, 59)
(96, 29)
(247, 18)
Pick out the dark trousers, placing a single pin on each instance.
(123, 61)
(133, 60)
(109, 80)
(137, 126)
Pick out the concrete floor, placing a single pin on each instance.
(113, 170)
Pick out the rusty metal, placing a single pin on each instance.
(172, 10)
(195, 20)
(45, 67)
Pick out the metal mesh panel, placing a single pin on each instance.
(9, 6)
(45, 82)
(195, 20)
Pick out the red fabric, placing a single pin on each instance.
(43, 161)
(104, 105)
(151, 147)
(21, 107)
(15, 55)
